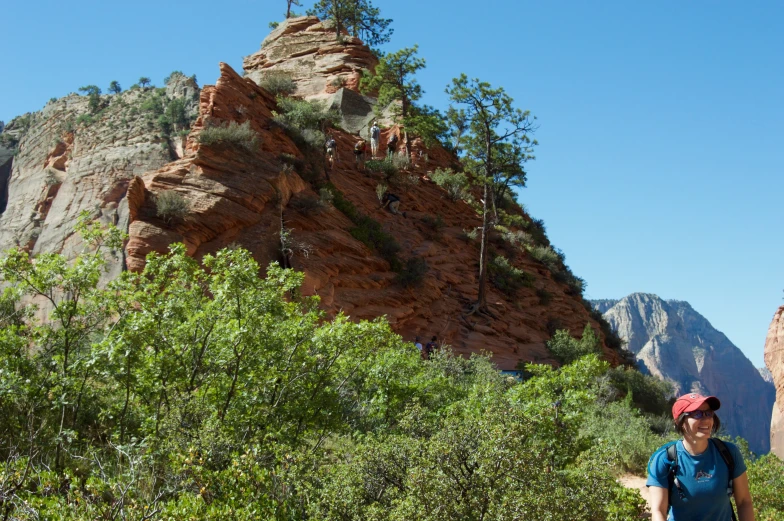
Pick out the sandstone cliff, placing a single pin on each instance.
(72, 158)
(117, 162)
(774, 360)
(675, 343)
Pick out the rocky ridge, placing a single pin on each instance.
(70, 160)
(774, 360)
(118, 166)
(671, 341)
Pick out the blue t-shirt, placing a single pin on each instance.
(703, 480)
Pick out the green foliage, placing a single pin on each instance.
(368, 231)
(94, 97)
(766, 481)
(277, 83)
(413, 272)
(434, 227)
(171, 205)
(506, 277)
(144, 81)
(299, 115)
(455, 183)
(240, 135)
(647, 392)
(385, 166)
(358, 17)
(547, 256)
(567, 349)
(175, 75)
(114, 87)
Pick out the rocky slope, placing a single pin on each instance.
(119, 165)
(72, 159)
(774, 360)
(675, 343)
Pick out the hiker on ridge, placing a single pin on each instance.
(393, 202)
(392, 145)
(359, 150)
(693, 478)
(331, 146)
(375, 136)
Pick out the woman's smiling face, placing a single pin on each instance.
(699, 429)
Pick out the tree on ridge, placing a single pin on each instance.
(358, 17)
(496, 145)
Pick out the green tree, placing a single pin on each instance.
(94, 97)
(494, 146)
(358, 17)
(394, 82)
(114, 87)
(289, 3)
(144, 81)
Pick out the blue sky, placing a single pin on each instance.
(659, 165)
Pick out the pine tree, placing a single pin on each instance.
(358, 17)
(496, 144)
(114, 87)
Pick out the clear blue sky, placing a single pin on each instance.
(661, 141)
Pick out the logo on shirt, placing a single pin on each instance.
(703, 476)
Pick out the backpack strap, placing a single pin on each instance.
(672, 476)
(729, 460)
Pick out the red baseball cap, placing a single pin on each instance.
(691, 402)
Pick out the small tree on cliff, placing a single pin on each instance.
(289, 3)
(495, 141)
(358, 17)
(94, 97)
(114, 87)
(144, 81)
(394, 81)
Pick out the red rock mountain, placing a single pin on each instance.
(774, 360)
(241, 197)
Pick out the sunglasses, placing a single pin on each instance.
(698, 415)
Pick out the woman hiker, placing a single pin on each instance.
(693, 478)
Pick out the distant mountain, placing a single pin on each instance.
(675, 343)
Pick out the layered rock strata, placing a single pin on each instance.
(675, 343)
(774, 360)
(70, 160)
(237, 196)
(307, 50)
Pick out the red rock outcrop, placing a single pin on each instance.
(774, 360)
(240, 197)
(307, 49)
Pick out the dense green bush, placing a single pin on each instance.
(455, 183)
(647, 392)
(171, 205)
(506, 277)
(278, 83)
(298, 115)
(547, 256)
(566, 349)
(766, 481)
(413, 272)
(384, 166)
(231, 134)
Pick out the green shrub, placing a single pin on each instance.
(766, 481)
(384, 166)
(567, 349)
(381, 189)
(547, 256)
(506, 277)
(368, 231)
(538, 231)
(232, 134)
(544, 296)
(300, 115)
(455, 183)
(412, 273)
(170, 205)
(647, 392)
(307, 204)
(326, 196)
(292, 160)
(434, 227)
(278, 83)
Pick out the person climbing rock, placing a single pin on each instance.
(331, 146)
(393, 202)
(375, 136)
(359, 150)
(392, 145)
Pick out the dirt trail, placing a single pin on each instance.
(632, 481)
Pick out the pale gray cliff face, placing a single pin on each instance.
(675, 343)
(65, 165)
